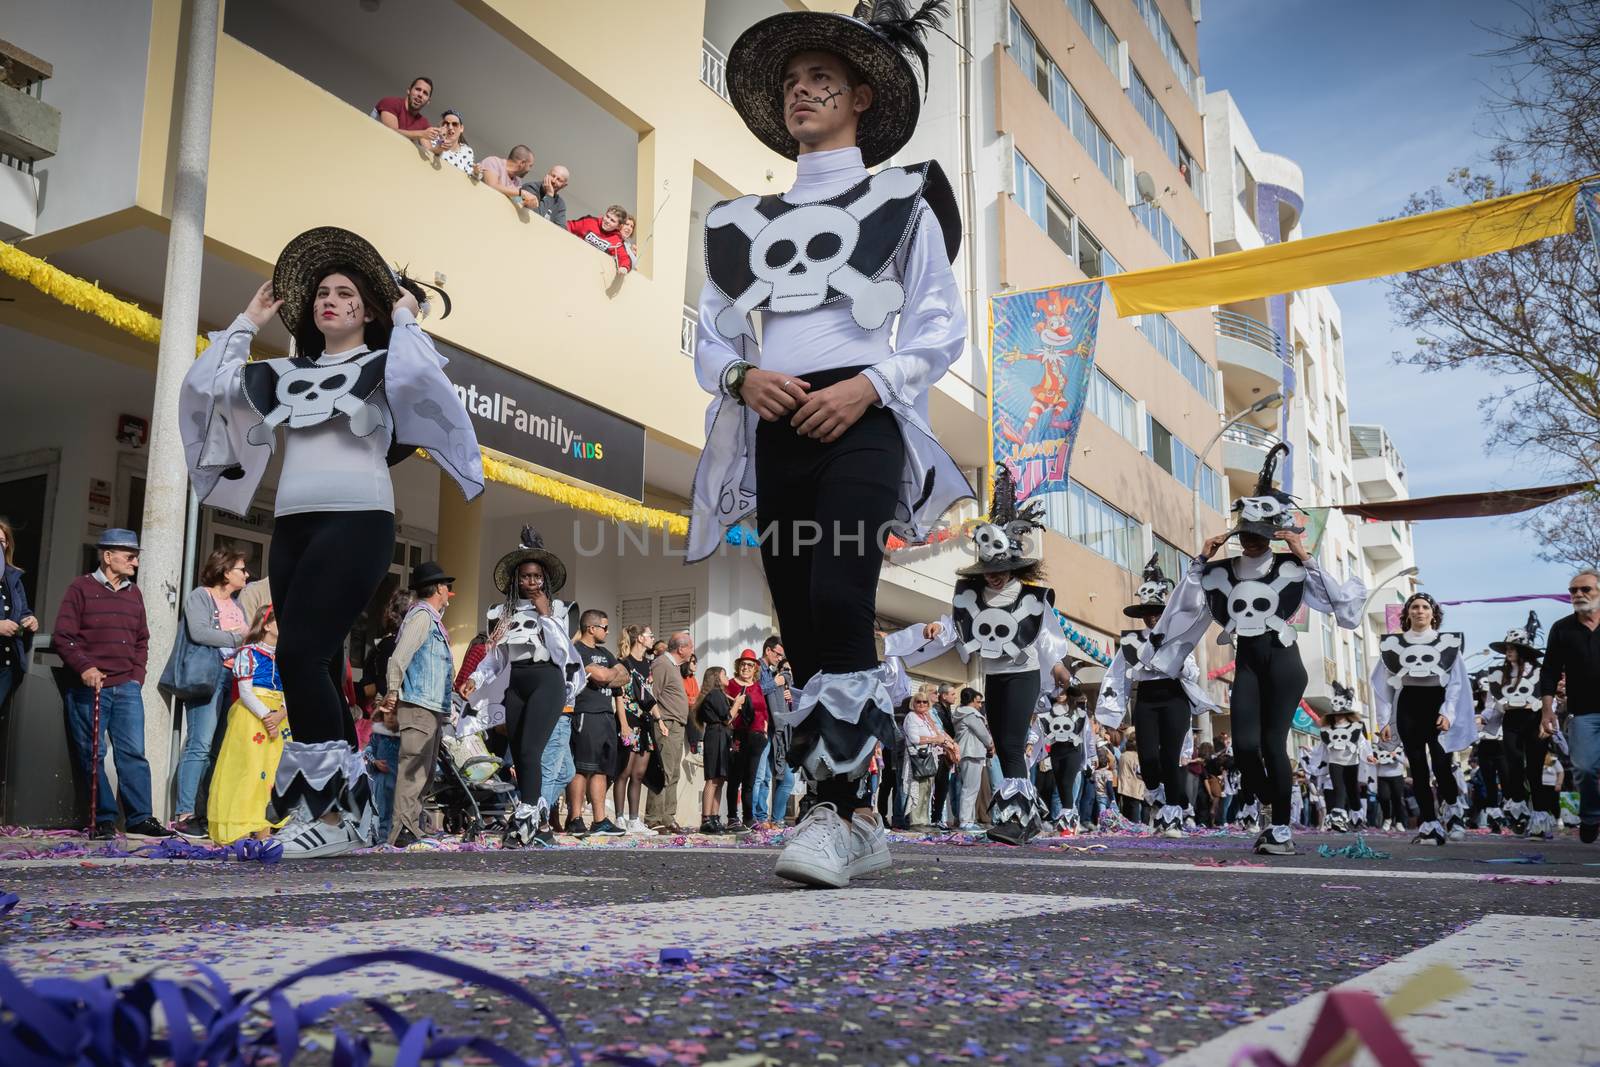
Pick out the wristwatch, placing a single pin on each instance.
(733, 380)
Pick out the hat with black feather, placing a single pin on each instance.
(310, 256)
(1342, 701)
(1269, 511)
(1524, 638)
(1152, 592)
(530, 549)
(880, 39)
(1001, 541)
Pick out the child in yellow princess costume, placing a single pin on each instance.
(241, 782)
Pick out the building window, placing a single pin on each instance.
(1173, 560)
(1096, 28)
(1095, 524)
(1093, 259)
(1180, 461)
(1164, 230)
(1114, 407)
(1046, 208)
(1160, 332)
(1052, 84)
(1162, 31)
(1149, 109)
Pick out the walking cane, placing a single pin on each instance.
(94, 763)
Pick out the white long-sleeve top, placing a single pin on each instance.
(1048, 649)
(1457, 707)
(928, 336)
(1112, 706)
(1188, 615)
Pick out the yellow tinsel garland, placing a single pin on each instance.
(128, 317)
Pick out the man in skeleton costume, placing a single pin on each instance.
(1005, 616)
(363, 391)
(1532, 808)
(1253, 596)
(1424, 697)
(1490, 751)
(1164, 708)
(1345, 750)
(530, 673)
(822, 430)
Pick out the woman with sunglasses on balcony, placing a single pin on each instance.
(450, 144)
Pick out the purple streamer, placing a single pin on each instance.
(1563, 597)
(8, 901)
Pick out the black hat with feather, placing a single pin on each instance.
(530, 549)
(1343, 700)
(1525, 638)
(1269, 511)
(1001, 541)
(880, 40)
(1152, 592)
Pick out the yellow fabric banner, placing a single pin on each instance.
(1393, 247)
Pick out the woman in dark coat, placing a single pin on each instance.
(712, 714)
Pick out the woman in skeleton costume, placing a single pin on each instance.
(1005, 616)
(1068, 736)
(1424, 697)
(1531, 807)
(1346, 750)
(363, 391)
(530, 673)
(1490, 751)
(822, 431)
(1390, 759)
(1164, 707)
(1253, 596)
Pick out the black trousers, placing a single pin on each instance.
(1417, 716)
(1525, 753)
(822, 511)
(1346, 787)
(1268, 681)
(1492, 765)
(747, 764)
(1161, 720)
(1008, 703)
(1392, 798)
(941, 790)
(535, 695)
(1066, 765)
(323, 567)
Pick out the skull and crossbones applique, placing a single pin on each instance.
(1063, 723)
(798, 257)
(1387, 755)
(1131, 643)
(1253, 607)
(993, 543)
(1426, 660)
(1268, 509)
(1344, 738)
(306, 394)
(995, 632)
(1523, 694)
(522, 628)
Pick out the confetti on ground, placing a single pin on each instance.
(1357, 850)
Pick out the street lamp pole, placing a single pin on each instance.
(1270, 400)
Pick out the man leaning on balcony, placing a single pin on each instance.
(547, 193)
(504, 174)
(403, 114)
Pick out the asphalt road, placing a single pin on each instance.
(1064, 952)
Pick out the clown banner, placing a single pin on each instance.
(1041, 345)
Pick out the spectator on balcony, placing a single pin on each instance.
(546, 194)
(629, 224)
(605, 233)
(451, 146)
(504, 175)
(403, 114)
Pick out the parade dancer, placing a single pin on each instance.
(1390, 758)
(1004, 615)
(1424, 697)
(1068, 734)
(1164, 707)
(530, 674)
(1531, 807)
(1491, 752)
(363, 391)
(1252, 597)
(821, 432)
(1346, 750)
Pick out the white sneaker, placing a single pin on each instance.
(304, 840)
(819, 851)
(869, 846)
(636, 828)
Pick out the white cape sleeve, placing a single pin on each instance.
(1342, 600)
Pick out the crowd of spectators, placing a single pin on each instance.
(508, 175)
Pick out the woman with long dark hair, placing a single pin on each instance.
(1532, 806)
(363, 390)
(712, 715)
(628, 793)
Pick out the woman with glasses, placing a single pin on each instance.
(213, 617)
(450, 144)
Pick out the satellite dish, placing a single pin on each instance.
(1145, 185)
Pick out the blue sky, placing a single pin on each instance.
(1376, 99)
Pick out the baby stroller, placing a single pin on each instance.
(468, 793)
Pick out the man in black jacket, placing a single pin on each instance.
(1573, 653)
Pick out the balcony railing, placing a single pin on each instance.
(714, 69)
(1254, 436)
(688, 332)
(1244, 328)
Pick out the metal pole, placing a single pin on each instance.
(166, 479)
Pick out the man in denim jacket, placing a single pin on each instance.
(775, 686)
(419, 676)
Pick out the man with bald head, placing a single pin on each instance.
(543, 197)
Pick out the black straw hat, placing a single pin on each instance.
(879, 40)
(530, 549)
(306, 259)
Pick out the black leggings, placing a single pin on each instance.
(1066, 765)
(535, 695)
(323, 568)
(1417, 715)
(1268, 681)
(752, 754)
(1346, 787)
(1492, 765)
(822, 510)
(1525, 753)
(1392, 798)
(1161, 719)
(1008, 703)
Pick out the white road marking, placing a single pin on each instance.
(520, 944)
(240, 881)
(1319, 872)
(1533, 1000)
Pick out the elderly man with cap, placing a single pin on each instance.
(101, 636)
(420, 672)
